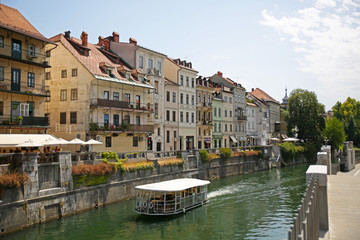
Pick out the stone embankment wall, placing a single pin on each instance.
(51, 193)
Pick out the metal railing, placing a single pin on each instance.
(9, 120)
(33, 56)
(306, 221)
(98, 102)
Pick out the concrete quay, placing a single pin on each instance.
(344, 205)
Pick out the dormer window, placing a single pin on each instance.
(127, 75)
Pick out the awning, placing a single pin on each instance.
(233, 139)
(11, 140)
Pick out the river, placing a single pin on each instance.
(254, 206)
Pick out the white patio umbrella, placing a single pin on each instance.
(76, 141)
(92, 142)
(275, 139)
(291, 140)
(63, 141)
(51, 141)
(30, 143)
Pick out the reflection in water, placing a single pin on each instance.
(254, 206)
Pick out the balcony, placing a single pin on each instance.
(207, 123)
(24, 56)
(12, 121)
(98, 102)
(21, 88)
(242, 118)
(120, 128)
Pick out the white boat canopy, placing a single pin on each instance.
(173, 185)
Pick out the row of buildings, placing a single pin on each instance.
(127, 96)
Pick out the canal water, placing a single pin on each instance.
(254, 206)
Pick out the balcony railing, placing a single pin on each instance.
(24, 56)
(242, 118)
(117, 127)
(26, 121)
(22, 87)
(98, 102)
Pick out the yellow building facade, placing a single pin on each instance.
(22, 73)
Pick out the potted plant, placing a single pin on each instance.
(19, 120)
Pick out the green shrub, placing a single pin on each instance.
(310, 151)
(204, 155)
(225, 152)
(287, 151)
(109, 155)
(299, 150)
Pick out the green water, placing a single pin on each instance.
(254, 206)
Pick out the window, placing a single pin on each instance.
(106, 119)
(219, 127)
(225, 113)
(187, 117)
(174, 97)
(31, 50)
(135, 141)
(167, 115)
(219, 112)
(137, 101)
(192, 82)
(47, 93)
(106, 95)
(199, 131)
(63, 118)
(215, 127)
(150, 63)
(168, 136)
(116, 119)
(1, 108)
(74, 94)
(230, 113)
(230, 127)
(167, 96)
(156, 109)
(72, 117)
(187, 81)
(48, 53)
(156, 86)
(181, 98)
(225, 127)
(47, 75)
(225, 99)
(187, 99)
(230, 99)
(209, 100)
(159, 66)
(63, 73)
(204, 132)
(192, 100)
(192, 117)
(174, 116)
(214, 112)
(116, 96)
(181, 80)
(1, 73)
(2, 41)
(253, 126)
(174, 134)
(126, 119)
(31, 79)
(63, 95)
(15, 79)
(107, 141)
(141, 62)
(199, 98)
(159, 131)
(127, 98)
(137, 119)
(181, 116)
(74, 72)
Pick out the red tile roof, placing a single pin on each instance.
(96, 59)
(260, 94)
(12, 19)
(182, 66)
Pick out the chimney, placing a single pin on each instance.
(107, 44)
(84, 39)
(132, 41)
(219, 73)
(115, 37)
(100, 40)
(252, 89)
(67, 34)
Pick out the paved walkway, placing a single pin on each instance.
(344, 205)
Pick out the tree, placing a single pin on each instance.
(334, 132)
(305, 116)
(349, 114)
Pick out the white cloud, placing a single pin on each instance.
(326, 39)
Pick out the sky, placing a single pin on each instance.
(266, 44)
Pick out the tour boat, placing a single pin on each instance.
(171, 197)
